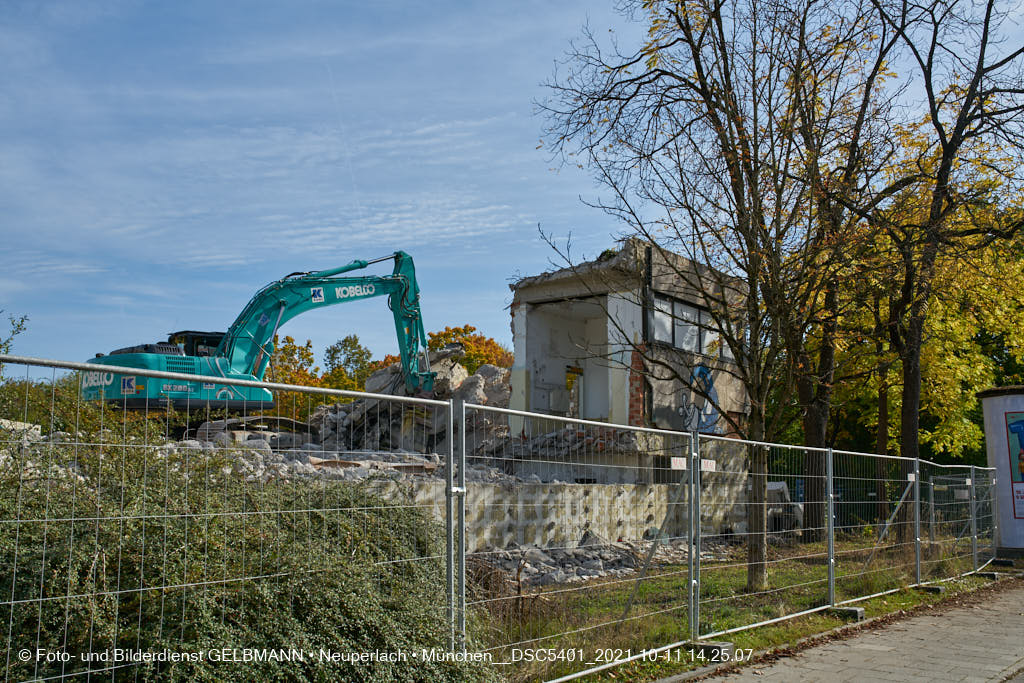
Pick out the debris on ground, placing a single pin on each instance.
(593, 557)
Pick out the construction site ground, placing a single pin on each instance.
(975, 636)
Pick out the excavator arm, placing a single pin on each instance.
(249, 342)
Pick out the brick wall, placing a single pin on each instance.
(636, 389)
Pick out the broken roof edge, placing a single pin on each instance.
(626, 260)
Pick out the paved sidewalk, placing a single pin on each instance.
(979, 641)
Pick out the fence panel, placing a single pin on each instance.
(577, 536)
(190, 528)
(986, 505)
(763, 553)
(947, 521)
(874, 524)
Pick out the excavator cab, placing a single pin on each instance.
(196, 343)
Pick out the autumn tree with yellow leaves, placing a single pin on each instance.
(347, 363)
(480, 349)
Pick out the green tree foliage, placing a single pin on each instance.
(294, 364)
(970, 344)
(348, 363)
(17, 327)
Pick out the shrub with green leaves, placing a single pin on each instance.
(131, 543)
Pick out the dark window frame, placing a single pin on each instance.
(676, 321)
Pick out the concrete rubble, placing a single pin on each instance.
(568, 449)
(592, 558)
(377, 437)
(371, 437)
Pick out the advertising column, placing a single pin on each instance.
(1004, 441)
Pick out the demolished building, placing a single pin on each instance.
(624, 339)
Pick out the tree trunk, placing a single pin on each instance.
(882, 432)
(881, 446)
(757, 521)
(818, 406)
(815, 428)
(757, 510)
(910, 421)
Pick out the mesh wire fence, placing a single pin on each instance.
(956, 511)
(184, 527)
(875, 548)
(188, 528)
(763, 545)
(985, 510)
(577, 536)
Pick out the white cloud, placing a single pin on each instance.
(164, 178)
(38, 264)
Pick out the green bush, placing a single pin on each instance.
(139, 546)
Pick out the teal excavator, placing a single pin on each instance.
(244, 351)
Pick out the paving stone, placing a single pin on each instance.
(972, 643)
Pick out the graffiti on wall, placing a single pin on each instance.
(700, 411)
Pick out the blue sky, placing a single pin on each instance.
(161, 161)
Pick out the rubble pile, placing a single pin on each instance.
(568, 454)
(567, 444)
(592, 558)
(370, 436)
(374, 425)
(535, 566)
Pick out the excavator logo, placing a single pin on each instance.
(317, 294)
(354, 290)
(97, 379)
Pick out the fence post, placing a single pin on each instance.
(449, 524)
(974, 519)
(994, 512)
(931, 511)
(460, 497)
(694, 564)
(917, 520)
(830, 528)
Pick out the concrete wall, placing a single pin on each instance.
(677, 406)
(625, 328)
(551, 514)
(557, 514)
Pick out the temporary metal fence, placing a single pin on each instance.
(764, 534)
(167, 529)
(131, 533)
(579, 535)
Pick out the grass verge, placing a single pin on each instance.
(791, 636)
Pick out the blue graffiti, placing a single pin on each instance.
(704, 418)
